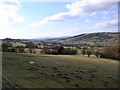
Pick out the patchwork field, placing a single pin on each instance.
(58, 71)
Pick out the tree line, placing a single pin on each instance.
(109, 52)
(60, 50)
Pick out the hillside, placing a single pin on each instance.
(99, 39)
(103, 38)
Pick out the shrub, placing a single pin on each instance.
(6, 46)
(21, 50)
(60, 49)
(69, 51)
(89, 52)
(30, 45)
(97, 53)
(32, 51)
(83, 52)
(111, 52)
(49, 51)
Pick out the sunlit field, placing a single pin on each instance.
(58, 71)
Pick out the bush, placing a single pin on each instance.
(49, 51)
(30, 45)
(97, 53)
(61, 50)
(111, 52)
(32, 51)
(6, 46)
(69, 51)
(83, 52)
(21, 50)
(89, 52)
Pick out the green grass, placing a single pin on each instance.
(102, 38)
(18, 44)
(45, 72)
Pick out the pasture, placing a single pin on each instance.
(60, 71)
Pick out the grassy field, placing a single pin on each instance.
(61, 71)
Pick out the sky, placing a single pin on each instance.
(36, 19)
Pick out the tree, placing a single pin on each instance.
(89, 52)
(5, 46)
(49, 51)
(31, 46)
(83, 52)
(97, 53)
(21, 50)
(69, 51)
(60, 49)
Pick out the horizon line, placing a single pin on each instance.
(61, 36)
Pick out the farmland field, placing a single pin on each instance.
(59, 71)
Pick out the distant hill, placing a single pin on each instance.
(103, 38)
(50, 38)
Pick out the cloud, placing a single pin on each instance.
(107, 24)
(111, 25)
(87, 21)
(8, 13)
(78, 9)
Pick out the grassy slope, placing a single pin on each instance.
(102, 38)
(92, 38)
(73, 67)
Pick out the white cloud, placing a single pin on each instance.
(78, 9)
(111, 25)
(87, 21)
(8, 13)
(107, 24)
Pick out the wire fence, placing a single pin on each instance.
(15, 79)
(4, 83)
(8, 81)
(10, 84)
